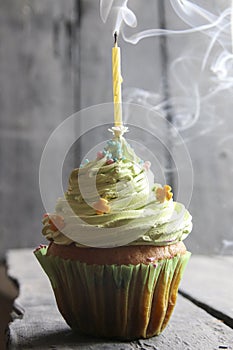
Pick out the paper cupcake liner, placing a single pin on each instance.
(124, 302)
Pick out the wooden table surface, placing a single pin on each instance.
(203, 317)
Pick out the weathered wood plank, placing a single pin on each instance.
(209, 280)
(36, 94)
(8, 293)
(43, 328)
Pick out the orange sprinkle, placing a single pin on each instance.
(163, 193)
(101, 207)
(56, 222)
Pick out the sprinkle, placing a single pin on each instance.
(56, 222)
(147, 165)
(110, 161)
(86, 161)
(41, 246)
(151, 259)
(111, 143)
(163, 193)
(100, 155)
(109, 156)
(102, 206)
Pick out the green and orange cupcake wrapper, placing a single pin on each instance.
(124, 302)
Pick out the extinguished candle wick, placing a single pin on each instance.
(115, 38)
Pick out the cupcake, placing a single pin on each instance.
(116, 253)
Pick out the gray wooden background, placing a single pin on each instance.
(55, 59)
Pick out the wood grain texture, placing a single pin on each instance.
(8, 293)
(43, 327)
(36, 95)
(208, 280)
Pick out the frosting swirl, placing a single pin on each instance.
(113, 201)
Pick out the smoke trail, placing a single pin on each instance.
(119, 13)
(135, 38)
(195, 16)
(199, 75)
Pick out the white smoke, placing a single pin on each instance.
(119, 13)
(200, 77)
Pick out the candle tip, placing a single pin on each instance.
(115, 38)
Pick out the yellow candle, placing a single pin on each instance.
(117, 80)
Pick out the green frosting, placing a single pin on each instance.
(120, 178)
(123, 184)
